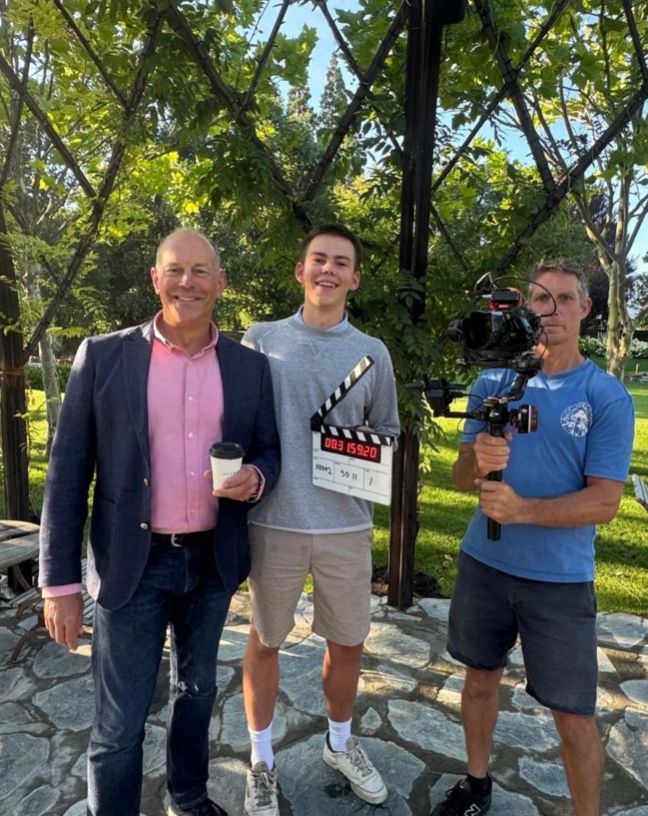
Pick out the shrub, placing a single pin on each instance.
(639, 349)
(595, 347)
(592, 347)
(34, 375)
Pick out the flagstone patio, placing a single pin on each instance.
(407, 715)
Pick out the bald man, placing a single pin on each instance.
(141, 411)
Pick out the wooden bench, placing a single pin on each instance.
(18, 544)
(31, 603)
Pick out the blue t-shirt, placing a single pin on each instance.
(585, 428)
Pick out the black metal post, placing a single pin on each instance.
(13, 407)
(425, 27)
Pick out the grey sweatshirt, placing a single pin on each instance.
(307, 365)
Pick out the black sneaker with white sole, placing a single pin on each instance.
(205, 808)
(461, 801)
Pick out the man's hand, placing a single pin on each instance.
(491, 452)
(64, 618)
(500, 502)
(242, 486)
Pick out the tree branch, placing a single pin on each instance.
(510, 77)
(265, 56)
(49, 269)
(181, 26)
(621, 265)
(91, 53)
(47, 126)
(639, 219)
(566, 118)
(604, 47)
(446, 234)
(556, 155)
(108, 183)
(492, 105)
(17, 113)
(574, 174)
(641, 314)
(636, 40)
(363, 90)
(343, 45)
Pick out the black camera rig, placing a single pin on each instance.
(502, 337)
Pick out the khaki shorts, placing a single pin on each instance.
(340, 564)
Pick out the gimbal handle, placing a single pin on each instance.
(494, 527)
(498, 416)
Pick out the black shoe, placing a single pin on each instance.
(460, 801)
(205, 808)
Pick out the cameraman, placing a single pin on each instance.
(537, 581)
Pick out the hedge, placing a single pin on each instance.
(35, 375)
(595, 347)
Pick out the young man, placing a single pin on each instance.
(537, 581)
(303, 528)
(141, 410)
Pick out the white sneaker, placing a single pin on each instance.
(365, 780)
(261, 791)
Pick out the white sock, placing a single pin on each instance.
(338, 734)
(262, 747)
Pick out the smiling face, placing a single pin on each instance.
(189, 281)
(561, 328)
(327, 274)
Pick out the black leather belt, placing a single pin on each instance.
(198, 539)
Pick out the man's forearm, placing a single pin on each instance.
(579, 509)
(597, 503)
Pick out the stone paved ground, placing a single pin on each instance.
(407, 714)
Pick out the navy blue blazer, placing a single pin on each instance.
(103, 433)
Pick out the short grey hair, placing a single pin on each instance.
(179, 233)
(564, 265)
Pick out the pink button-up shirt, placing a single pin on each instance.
(185, 417)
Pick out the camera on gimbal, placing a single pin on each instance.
(504, 336)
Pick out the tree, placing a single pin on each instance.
(56, 167)
(334, 99)
(596, 71)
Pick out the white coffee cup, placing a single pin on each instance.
(226, 460)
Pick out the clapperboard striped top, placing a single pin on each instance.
(317, 420)
(356, 436)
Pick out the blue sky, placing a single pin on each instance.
(296, 18)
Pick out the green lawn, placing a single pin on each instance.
(632, 366)
(622, 546)
(37, 434)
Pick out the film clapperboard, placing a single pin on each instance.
(346, 460)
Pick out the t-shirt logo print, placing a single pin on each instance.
(576, 419)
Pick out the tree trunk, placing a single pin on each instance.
(51, 387)
(618, 351)
(621, 326)
(51, 384)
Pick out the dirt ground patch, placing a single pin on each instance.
(425, 586)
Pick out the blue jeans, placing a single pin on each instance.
(181, 588)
